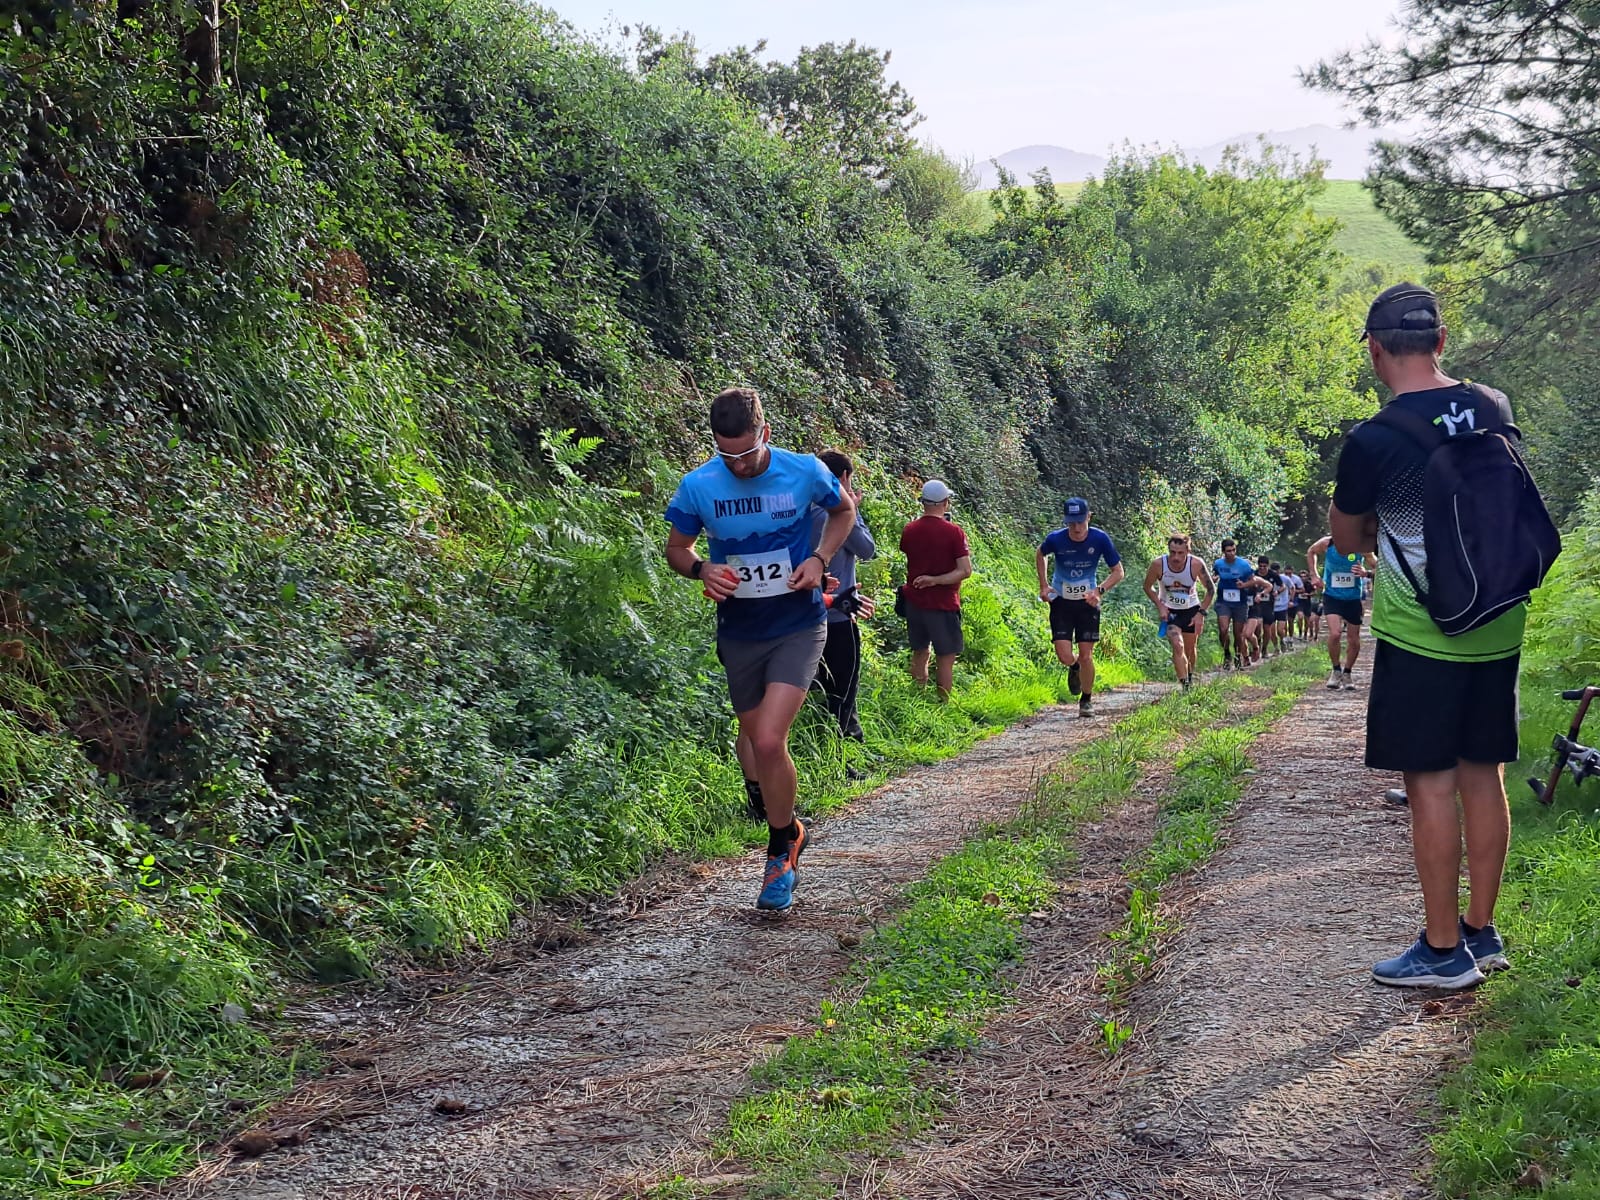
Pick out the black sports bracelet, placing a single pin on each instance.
(696, 567)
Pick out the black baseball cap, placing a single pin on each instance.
(1403, 306)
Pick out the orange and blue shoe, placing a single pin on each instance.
(777, 886)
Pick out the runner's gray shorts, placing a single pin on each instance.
(751, 666)
(1239, 611)
(940, 627)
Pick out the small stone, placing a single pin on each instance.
(254, 1144)
(1535, 1178)
(847, 940)
(232, 1014)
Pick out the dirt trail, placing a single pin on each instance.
(1267, 1064)
(584, 1070)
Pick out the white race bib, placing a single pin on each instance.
(1231, 595)
(1075, 589)
(761, 575)
(1343, 580)
(1181, 599)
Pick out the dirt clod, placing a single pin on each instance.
(449, 1106)
(254, 1144)
(1535, 1178)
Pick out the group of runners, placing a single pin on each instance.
(782, 529)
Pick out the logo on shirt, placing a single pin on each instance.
(781, 505)
(1455, 418)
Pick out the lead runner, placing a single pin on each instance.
(753, 502)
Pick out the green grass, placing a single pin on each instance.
(1368, 237)
(926, 982)
(1209, 777)
(1531, 1094)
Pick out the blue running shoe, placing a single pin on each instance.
(1487, 947)
(783, 872)
(1423, 966)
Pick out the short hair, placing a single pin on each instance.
(1401, 343)
(1277, 566)
(735, 412)
(838, 462)
(1226, 542)
(1177, 537)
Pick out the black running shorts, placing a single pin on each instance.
(1183, 618)
(1427, 714)
(1345, 610)
(1074, 621)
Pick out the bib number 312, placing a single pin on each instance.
(761, 575)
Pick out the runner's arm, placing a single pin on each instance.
(1040, 561)
(1315, 549)
(719, 583)
(1118, 574)
(1206, 585)
(841, 520)
(1152, 586)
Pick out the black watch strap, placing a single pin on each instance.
(696, 567)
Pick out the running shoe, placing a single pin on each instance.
(1486, 947)
(1073, 684)
(1187, 681)
(1335, 677)
(1423, 966)
(1348, 683)
(1086, 708)
(1227, 662)
(777, 885)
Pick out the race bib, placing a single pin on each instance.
(1231, 595)
(761, 575)
(1075, 589)
(1180, 599)
(1344, 580)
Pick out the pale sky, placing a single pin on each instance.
(992, 76)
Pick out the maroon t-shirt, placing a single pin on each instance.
(931, 546)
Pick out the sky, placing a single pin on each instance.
(996, 75)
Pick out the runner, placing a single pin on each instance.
(752, 501)
(1074, 597)
(1316, 607)
(1342, 577)
(1170, 584)
(1262, 611)
(1233, 604)
(839, 673)
(1280, 607)
(1302, 616)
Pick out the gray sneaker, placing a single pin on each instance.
(1486, 946)
(1347, 683)
(1086, 708)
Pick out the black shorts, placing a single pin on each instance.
(1262, 613)
(1345, 610)
(1074, 621)
(1427, 714)
(1304, 605)
(1182, 618)
(938, 626)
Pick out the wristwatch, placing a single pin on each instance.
(696, 567)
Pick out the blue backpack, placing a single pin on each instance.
(1489, 538)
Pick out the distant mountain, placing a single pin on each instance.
(1346, 151)
(1065, 166)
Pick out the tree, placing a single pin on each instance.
(1504, 171)
(834, 99)
(931, 186)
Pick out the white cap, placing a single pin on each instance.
(935, 491)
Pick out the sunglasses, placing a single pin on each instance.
(727, 457)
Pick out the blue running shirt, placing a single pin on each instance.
(762, 527)
(1230, 577)
(1078, 562)
(1339, 574)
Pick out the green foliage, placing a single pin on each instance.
(1529, 1094)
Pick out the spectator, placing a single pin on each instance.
(937, 560)
(839, 673)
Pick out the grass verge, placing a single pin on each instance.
(1209, 776)
(1524, 1114)
(925, 983)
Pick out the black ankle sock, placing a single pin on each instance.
(1472, 930)
(1450, 949)
(778, 840)
(1085, 698)
(752, 788)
